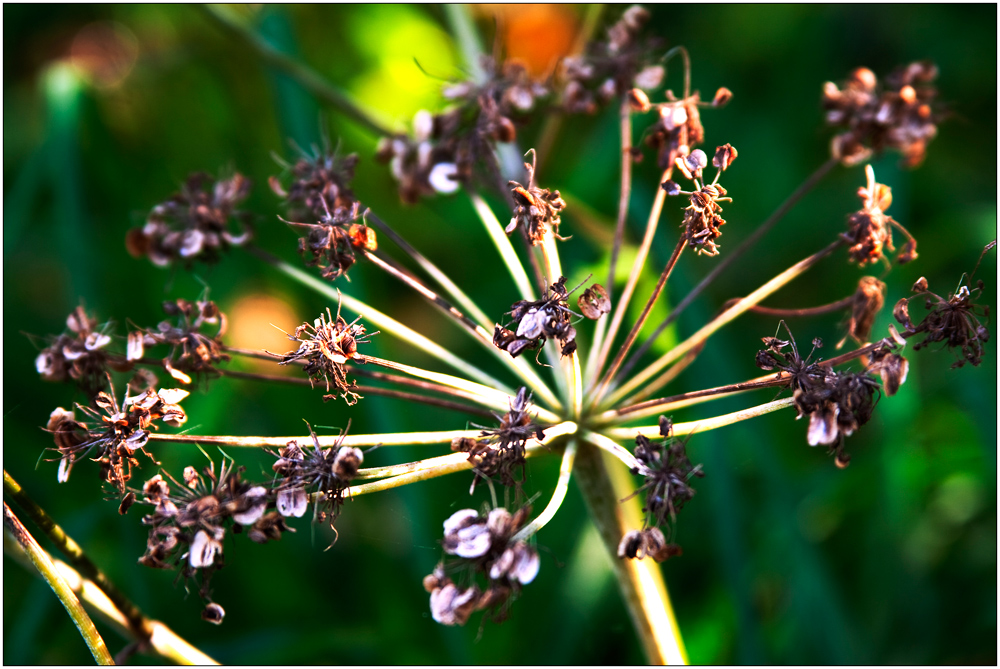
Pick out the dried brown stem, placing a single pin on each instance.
(370, 390)
(634, 332)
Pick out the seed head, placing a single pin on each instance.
(194, 224)
(328, 344)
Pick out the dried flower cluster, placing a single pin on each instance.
(837, 403)
(333, 242)
(189, 522)
(484, 547)
(536, 210)
(701, 217)
(899, 115)
(500, 451)
(870, 229)
(668, 473)
(119, 433)
(610, 68)
(320, 183)
(78, 356)
(325, 471)
(191, 351)
(445, 148)
(329, 343)
(954, 321)
(679, 130)
(538, 321)
(194, 224)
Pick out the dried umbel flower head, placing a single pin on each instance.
(956, 321)
(445, 148)
(615, 66)
(668, 472)
(324, 472)
(538, 321)
(485, 548)
(191, 350)
(701, 217)
(500, 451)
(324, 347)
(333, 242)
(870, 229)
(899, 115)
(319, 183)
(124, 430)
(79, 356)
(194, 224)
(536, 210)
(189, 522)
(837, 403)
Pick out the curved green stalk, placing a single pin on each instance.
(66, 596)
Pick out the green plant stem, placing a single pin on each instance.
(722, 319)
(681, 429)
(66, 596)
(633, 279)
(669, 375)
(504, 247)
(433, 271)
(325, 441)
(640, 581)
(308, 78)
(624, 193)
(497, 399)
(674, 402)
(558, 495)
(730, 258)
(164, 641)
(517, 365)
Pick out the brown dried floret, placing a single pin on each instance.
(594, 302)
(500, 451)
(333, 242)
(121, 431)
(191, 350)
(870, 232)
(537, 321)
(483, 547)
(702, 218)
(327, 472)
(899, 115)
(330, 342)
(668, 472)
(320, 182)
(445, 148)
(536, 210)
(79, 356)
(867, 301)
(956, 321)
(194, 224)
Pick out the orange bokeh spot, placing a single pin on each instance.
(254, 320)
(536, 35)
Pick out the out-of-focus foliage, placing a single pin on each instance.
(786, 558)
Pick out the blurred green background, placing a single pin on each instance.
(786, 558)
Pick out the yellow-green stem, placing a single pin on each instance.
(66, 596)
(640, 581)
